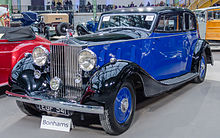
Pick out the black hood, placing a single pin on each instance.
(109, 36)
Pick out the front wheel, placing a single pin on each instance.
(119, 113)
(202, 67)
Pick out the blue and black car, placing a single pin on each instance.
(135, 51)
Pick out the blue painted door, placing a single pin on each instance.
(167, 48)
(168, 53)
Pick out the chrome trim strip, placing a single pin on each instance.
(65, 105)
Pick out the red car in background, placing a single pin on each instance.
(14, 43)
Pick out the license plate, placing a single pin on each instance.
(54, 110)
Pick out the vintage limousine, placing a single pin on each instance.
(136, 51)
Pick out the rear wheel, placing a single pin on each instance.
(202, 67)
(119, 114)
(29, 109)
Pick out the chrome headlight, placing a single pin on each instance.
(40, 55)
(87, 60)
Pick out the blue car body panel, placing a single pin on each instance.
(162, 55)
(92, 26)
(28, 18)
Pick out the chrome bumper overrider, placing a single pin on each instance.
(59, 104)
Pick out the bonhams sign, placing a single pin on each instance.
(56, 123)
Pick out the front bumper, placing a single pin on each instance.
(58, 104)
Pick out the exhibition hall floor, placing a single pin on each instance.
(192, 111)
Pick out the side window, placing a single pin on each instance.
(214, 15)
(161, 24)
(168, 23)
(189, 22)
(210, 15)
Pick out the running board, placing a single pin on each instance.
(183, 78)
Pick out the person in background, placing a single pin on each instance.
(53, 5)
(70, 5)
(132, 4)
(161, 3)
(89, 6)
(59, 5)
(141, 5)
(65, 4)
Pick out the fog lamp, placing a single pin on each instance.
(55, 83)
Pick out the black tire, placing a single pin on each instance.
(108, 119)
(61, 28)
(201, 76)
(28, 109)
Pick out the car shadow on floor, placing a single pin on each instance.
(91, 122)
(153, 103)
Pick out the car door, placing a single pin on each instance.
(167, 47)
(190, 38)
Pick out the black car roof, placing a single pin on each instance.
(148, 9)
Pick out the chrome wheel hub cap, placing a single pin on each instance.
(124, 105)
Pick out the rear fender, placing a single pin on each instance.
(203, 46)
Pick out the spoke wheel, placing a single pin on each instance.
(122, 105)
(119, 113)
(202, 67)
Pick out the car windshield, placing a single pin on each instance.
(144, 21)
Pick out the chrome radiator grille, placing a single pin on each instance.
(64, 65)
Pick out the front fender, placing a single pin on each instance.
(82, 30)
(106, 81)
(22, 77)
